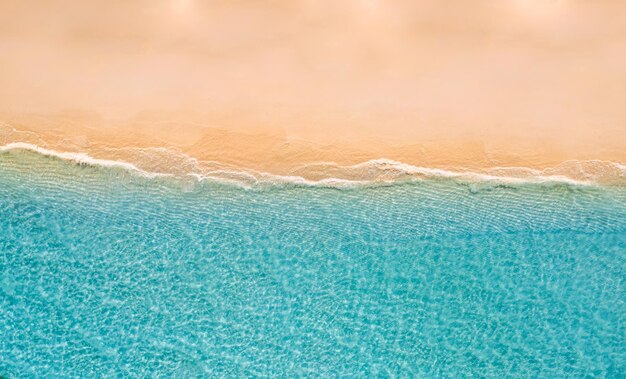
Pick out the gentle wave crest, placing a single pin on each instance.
(163, 162)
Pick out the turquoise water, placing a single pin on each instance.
(108, 274)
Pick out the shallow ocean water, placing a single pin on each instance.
(105, 274)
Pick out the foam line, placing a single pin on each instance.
(79, 158)
(373, 172)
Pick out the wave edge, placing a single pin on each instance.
(374, 172)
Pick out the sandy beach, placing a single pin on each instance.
(278, 152)
(312, 188)
(472, 86)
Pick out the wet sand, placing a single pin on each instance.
(281, 152)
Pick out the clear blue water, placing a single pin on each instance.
(107, 274)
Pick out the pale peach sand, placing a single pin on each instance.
(277, 85)
(276, 152)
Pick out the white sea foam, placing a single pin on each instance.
(387, 164)
(374, 172)
(79, 158)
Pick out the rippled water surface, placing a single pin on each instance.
(105, 273)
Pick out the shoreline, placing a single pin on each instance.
(328, 174)
(182, 148)
(280, 151)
